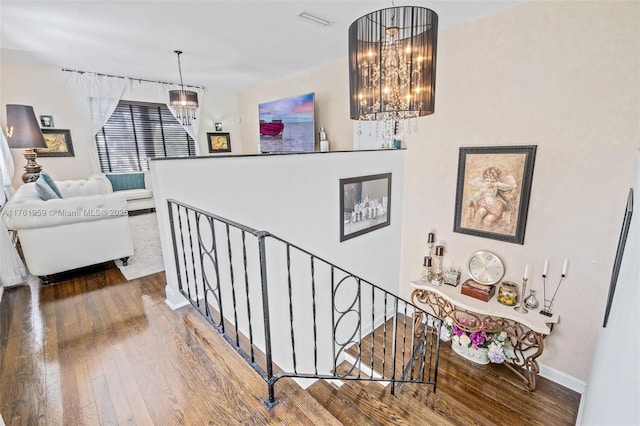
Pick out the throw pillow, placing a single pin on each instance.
(124, 181)
(51, 183)
(43, 190)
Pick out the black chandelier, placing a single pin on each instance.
(392, 64)
(184, 102)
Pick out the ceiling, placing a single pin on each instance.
(231, 44)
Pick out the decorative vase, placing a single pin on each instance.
(531, 302)
(479, 356)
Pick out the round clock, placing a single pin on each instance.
(485, 267)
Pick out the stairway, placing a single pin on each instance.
(467, 393)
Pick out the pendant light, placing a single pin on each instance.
(392, 65)
(183, 102)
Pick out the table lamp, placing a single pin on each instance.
(23, 131)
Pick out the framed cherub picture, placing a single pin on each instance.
(492, 198)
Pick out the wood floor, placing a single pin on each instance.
(97, 349)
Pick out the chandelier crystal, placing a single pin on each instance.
(392, 65)
(184, 102)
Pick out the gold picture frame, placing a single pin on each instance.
(58, 143)
(219, 142)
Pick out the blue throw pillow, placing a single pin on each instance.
(51, 183)
(43, 189)
(124, 181)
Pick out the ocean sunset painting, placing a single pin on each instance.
(287, 125)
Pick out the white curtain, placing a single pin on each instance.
(98, 97)
(163, 90)
(12, 270)
(6, 170)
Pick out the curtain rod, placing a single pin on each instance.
(130, 78)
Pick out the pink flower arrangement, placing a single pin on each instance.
(495, 341)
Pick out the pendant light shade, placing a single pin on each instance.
(392, 64)
(184, 102)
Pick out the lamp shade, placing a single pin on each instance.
(23, 130)
(392, 64)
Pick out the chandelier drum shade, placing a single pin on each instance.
(184, 102)
(392, 64)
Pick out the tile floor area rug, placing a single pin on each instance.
(147, 257)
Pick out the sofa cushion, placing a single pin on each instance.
(44, 191)
(137, 194)
(125, 181)
(96, 184)
(50, 182)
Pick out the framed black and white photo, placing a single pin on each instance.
(365, 204)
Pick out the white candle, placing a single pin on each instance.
(564, 266)
(526, 271)
(546, 267)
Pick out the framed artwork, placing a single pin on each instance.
(365, 204)
(46, 121)
(492, 198)
(622, 241)
(58, 143)
(219, 142)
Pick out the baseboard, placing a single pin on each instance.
(1, 293)
(175, 306)
(562, 379)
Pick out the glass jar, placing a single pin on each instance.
(508, 293)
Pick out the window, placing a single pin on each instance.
(138, 131)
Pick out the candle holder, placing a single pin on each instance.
(437, 276)
(546, 307)
(426, 269)
(520, 308)
(431, 241)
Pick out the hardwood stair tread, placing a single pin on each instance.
(339, 405)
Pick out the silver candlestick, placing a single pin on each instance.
(520, 308)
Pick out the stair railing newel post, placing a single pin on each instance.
(175, 244)
(271, 400)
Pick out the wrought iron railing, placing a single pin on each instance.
(290, 313)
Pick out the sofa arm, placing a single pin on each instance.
(29, 214)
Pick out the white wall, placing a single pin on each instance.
(292, 196)
(45, 89)
(295, 197)
(613, 393)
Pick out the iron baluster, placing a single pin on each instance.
(193, 260)
(246, 285)
(293, 339)
(233, 287)
(315, 331)
(271, 401)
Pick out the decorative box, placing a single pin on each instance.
(452, 277)
(478, 291)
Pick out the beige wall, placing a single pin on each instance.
(45, 89)
(559, 75)
(330, 83)
(563, 76)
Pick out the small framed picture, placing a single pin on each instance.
(365, 204)
(219, 142)
(58, 143)
(46, 121)
(218, 127)
(494, 184)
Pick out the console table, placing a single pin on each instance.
(526, 331)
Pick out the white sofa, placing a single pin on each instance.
(137, 198)
(89, 225)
